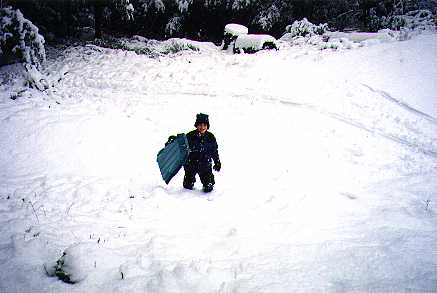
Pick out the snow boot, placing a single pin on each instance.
(208, 188)
(188, 186)
(189, 180)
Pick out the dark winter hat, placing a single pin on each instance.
(201, 118)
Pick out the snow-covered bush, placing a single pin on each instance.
(305, 28)
(335, 41)
(76, 263)
(420, 20)
(395, 22)
(304, 32)
(232, 31)
(338, 44)
(153, 48)
(347, 40)
(417, 20)
(70, 267)
(176, 45)
(254, 43)
(20, 39)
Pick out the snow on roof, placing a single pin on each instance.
(236, 29)
(253, 41)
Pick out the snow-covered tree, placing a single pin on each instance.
(126, 7)
(145, 6)
(206, 19)
(20, 38)
(266, 18)
(174, 25)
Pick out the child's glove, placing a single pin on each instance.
(217, 166)
(170, 140)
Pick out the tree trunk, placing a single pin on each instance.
(67, 12)
(98, 17)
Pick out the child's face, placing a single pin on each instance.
(202, 128)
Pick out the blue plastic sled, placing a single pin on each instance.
(171, 158)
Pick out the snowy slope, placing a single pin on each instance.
(328, 179)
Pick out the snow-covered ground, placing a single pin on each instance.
(328, 181)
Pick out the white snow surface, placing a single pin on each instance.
(255, 42)
(236, 29)
(328, 179)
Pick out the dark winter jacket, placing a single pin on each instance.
(203, 148)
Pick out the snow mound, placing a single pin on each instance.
(253, 42)
(232, 31)
(77, 261)
(384, 35)
(236, 29)
(84, 259)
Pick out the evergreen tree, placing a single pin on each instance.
(203, 19)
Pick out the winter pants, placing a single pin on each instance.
(204, 171)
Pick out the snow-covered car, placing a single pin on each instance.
(236, 37)
(254, 43)
(232, 31)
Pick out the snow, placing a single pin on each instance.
(254, 42)
(236, 29)
(384, 35)
(328, 180)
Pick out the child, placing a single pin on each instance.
(203, 150)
